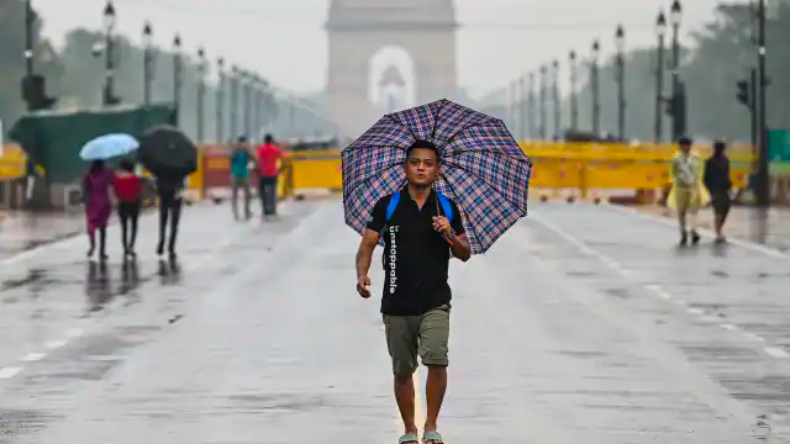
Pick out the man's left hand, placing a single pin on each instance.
(442, 225)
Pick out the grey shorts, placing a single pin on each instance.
(426, 335)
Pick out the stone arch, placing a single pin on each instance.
(416, 36)
(393, 61)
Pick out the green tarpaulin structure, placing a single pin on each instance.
(53, 139)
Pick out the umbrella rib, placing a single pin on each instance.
(436, 120)
(472, 174)
(392, 120)
(470, 126)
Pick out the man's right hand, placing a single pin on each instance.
(363, 286)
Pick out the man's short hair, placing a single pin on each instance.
(424, 144)
(685, 140)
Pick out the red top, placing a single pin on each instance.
(267, 159)
(128, 188)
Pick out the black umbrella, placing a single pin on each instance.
(167, 151)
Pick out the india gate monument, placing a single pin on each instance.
(387, 55)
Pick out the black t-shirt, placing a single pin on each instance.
(416, 257)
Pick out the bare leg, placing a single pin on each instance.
(435, 389)
(404, 395)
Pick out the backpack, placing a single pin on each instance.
(447, 209)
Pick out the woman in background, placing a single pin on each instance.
(128, 189)
(96, 186)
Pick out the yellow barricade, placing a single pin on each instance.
(557, 165)
(316, 169)
(12, 162)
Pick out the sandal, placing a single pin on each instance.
(409, 438)
(432, 437)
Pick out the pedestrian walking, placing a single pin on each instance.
(171, 157)
(719, 184)
(416, 297)
(128, 190)
(96, 185)
(401, 181)
(170, 191)
(240, 158)
(688, 193)
(267, 156)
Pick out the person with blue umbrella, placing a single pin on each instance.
(97, 183)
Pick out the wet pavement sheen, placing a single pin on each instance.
(583, 324)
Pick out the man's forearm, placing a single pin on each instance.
(363, 260)
(461, 248)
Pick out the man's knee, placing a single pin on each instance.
(402, 336)
(434, 337)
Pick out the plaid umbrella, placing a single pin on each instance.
(483, 169)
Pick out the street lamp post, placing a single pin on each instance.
(661, 32)
(201, 93)
(531, 106)
(234, 101)
(246, 88)
(556, 99)
(573, 96)
(762, 182)
(109, 26)
(619, 40)
(147, 63)
(543, 73)
(522, 107)
(177, 73)
(30, 19)
(678, 126)
(596, 105)
(220, 108)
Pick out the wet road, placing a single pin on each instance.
(584, 324)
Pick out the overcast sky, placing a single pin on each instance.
(284, 41)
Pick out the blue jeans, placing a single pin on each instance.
(267, 190)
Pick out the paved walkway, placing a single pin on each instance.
(583, 324)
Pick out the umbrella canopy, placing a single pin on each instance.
(108, 146)
(483, 169)
(167, 151)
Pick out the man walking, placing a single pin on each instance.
(268, 154)
(239, 176)
(717, 181)
(688, 193)
(421, 228)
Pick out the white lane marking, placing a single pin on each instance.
(659, 291)
(9, 372)
(656, 289)
(32, 357)
(754, 337)
(670, 223)
(776, 352)
(55, 344)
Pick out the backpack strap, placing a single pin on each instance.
(393, 204)
(446, 207)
